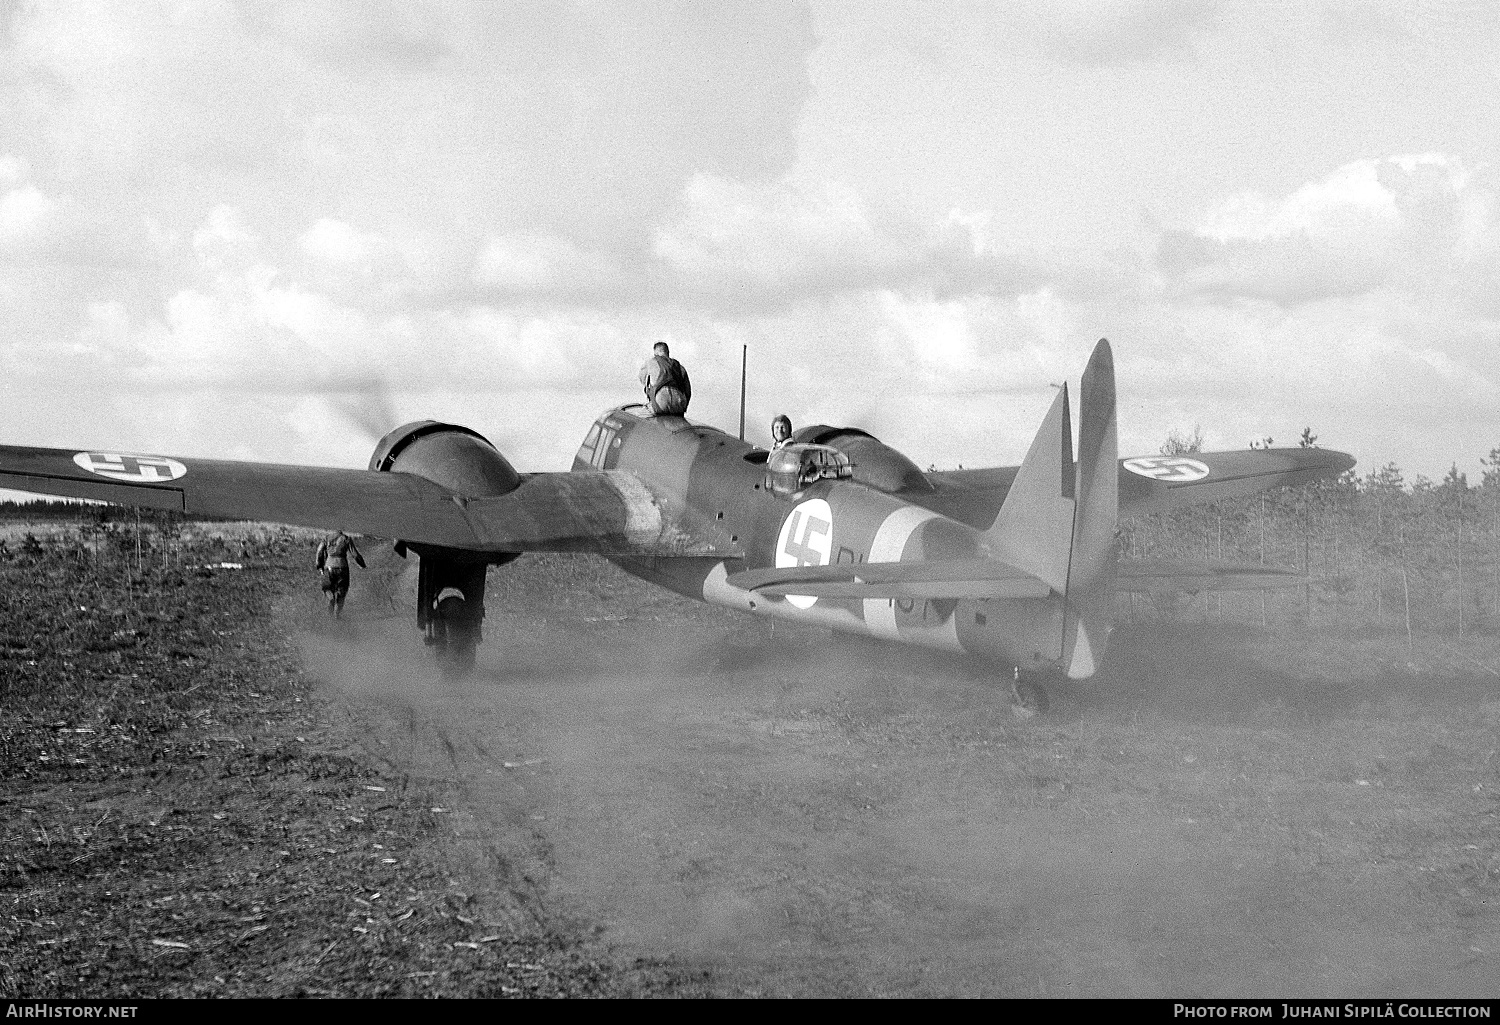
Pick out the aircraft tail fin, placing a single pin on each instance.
(1058, 520)
(1034, 530)
(1092, 565)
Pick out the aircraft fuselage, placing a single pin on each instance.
(717, 478)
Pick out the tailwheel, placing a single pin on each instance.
(1028, 698)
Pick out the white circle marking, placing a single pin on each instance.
(806, 540)
(889, 545)
(135, 469)
(1173, 469)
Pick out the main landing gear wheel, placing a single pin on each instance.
(455, 635)
(1028, 698)
(450, 610)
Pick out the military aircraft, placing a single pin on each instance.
(1015, 564)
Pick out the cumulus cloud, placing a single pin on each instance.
(746, 249)
(1403, 21)
(24, 213)
(482, 119)
(244, 322)
(271, 228)
(1415, 222)
(531, 265)
(357, 35)
(1116, 32)
(336, 257)
(945, 34)
(41, 229)
(224, 200)
(782, 242)
(335, 244)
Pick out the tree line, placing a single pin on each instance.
(1381, 553)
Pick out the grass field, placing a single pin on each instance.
(184, 814)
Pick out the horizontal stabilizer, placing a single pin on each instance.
(1165, 575)
(960, 578)
(1149, 484)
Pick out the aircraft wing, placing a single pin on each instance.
(610, 512)
(963, 578)
(1148, 484)
(1194, 576)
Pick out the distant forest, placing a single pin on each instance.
(49, 510)
(1382, 553)
(78, 510)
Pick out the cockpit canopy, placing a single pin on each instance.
(875, 463)
(792, 468)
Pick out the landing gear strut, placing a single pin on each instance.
(450, 610)
(1028, 698)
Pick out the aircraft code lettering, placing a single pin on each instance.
(133, 468)
(1173, 469)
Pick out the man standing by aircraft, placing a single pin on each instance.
(333, 564)
(666, 382)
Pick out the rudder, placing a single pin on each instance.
(1091, 570)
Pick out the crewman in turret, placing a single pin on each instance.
(333, 568)
(781, 431)
(666, 383)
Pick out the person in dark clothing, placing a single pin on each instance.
(665, 380)
(333, 568)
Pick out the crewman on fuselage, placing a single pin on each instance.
(333, 568)
(665, 380)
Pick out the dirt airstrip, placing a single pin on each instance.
(210, 788)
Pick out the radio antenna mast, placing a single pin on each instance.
(744, 360)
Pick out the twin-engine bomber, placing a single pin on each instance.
(1015, 564)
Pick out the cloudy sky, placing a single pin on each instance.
(273, 230)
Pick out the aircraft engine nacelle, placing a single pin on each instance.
(450, 582)
(456, 457)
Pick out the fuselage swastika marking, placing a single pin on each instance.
(806, 540)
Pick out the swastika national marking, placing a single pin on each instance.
(136, 469)
(801, 550)
(806, 540)
(1172, 469)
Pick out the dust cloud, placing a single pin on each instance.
(800, 815)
